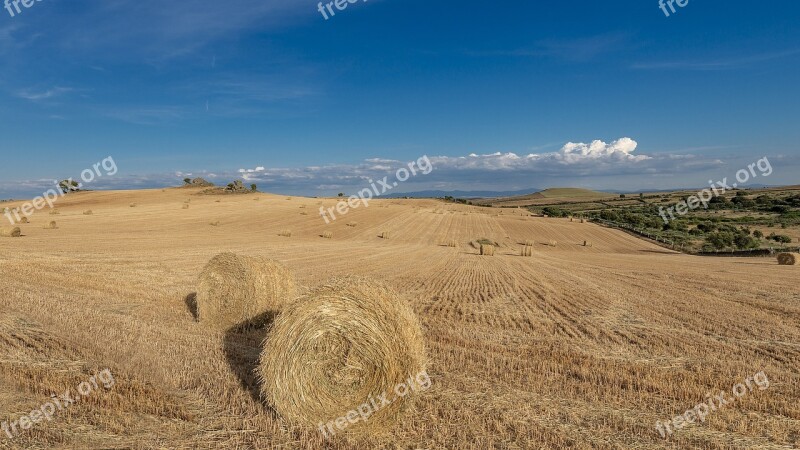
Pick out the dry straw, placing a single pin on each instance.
(51, 226)
(788, 259)
(487, 250)
(333, 349)
(234, 289)
(10, 232)
(526, 250)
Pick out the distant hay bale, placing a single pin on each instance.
(526, 250)
(385, 235)
(487, 250)
(352, 224)
(339, 346)
(188, 200)
(529, 243)
(51, 225)
(10, 232)
(54, 212)
(285, 233)
(133, 205)
(582, 220)
(234, 289)
(214, 224)
(303, 213)
(185, 206)
(88, 212)
(587, 244)
(302, 206)
(787, 259)
(217, 201)
(24, 220)
(553, 244)
(452, 243)
(327, 234)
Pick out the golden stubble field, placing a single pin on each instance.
(575, 347)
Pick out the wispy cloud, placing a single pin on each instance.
(573, 50)
(734, 62)
(43, 95)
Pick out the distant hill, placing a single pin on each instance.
(547, 196)
(570, 193)
(461, 194)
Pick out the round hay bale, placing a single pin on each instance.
(487, 250)
(337, 348)
(788, 259)
(234, 289)
(185, 206)
(553, 243)
(88, 212)
(327, 234)
(133, 205)
(51, 226)
(10, 232)
(24, 220)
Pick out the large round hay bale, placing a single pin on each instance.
(788, 259)
(10, 232)
(234, 289)
(339, 347)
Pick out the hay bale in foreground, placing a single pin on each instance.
(51, 226)
(788, 259)
(233, 289)
(487, 250)
(526, 250)
(10, 232)
(335, 348)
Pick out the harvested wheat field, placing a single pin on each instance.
(579, 347)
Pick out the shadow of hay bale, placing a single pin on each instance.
(191, 304)
(242, 347)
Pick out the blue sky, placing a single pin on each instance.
(271, 91)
